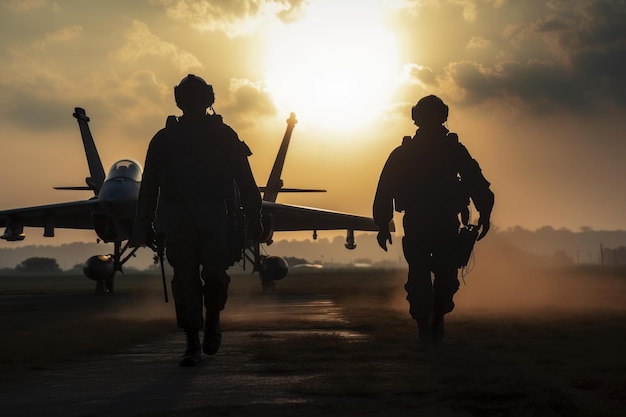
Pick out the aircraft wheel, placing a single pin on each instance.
(109, 284)
(100, 287)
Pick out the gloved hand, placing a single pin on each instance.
(465, 216)
(383, 236)
(484, 225)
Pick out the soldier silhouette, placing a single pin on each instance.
(431, 178)
(195, 168)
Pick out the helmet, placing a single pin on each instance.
(193, 93)
(430, 110)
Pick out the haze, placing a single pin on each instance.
(535, 92)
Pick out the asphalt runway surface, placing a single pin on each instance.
(147, 379)
(341, 345)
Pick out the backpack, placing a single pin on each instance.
(428, 177)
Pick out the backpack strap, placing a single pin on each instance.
(171, 121)
(452, 137)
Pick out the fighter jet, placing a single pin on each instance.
(111, 211)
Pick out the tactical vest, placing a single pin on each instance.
(428, 179)
(197, 182)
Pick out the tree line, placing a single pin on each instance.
(38, 265)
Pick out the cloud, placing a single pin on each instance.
(29, 5)
(141, 93)
(470, 8)
(417, 74)
(135, 102)
(29, 111)
(475, 82)
(33, 95)
(293, 11)
(248, 101)
(565, 55)
(62, 35)
(232, 17)
(141, 42)
(41, 98)
(477, 42)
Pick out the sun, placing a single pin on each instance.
(336, 68)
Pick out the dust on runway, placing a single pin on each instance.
(340, 345)
(147, 379)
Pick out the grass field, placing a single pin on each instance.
(520, 342)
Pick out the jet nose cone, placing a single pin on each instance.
(118, 198)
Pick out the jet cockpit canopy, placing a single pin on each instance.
(125, 168)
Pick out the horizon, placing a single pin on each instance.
(546, 245)
(34, 236)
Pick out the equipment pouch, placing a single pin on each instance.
(465, 244)
(237, 235)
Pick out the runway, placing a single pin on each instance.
(340, 345)
(147, 378)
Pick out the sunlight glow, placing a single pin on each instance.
(336, 68)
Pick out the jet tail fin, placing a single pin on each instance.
(274, 183)
(96, 171)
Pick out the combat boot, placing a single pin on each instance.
(424, 334)
(193, 354)
(436, 328)
(212, 334)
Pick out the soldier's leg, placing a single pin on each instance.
(419, 287)
(446, 282)
(182, 254)
(216, 283)
(214, 264)
(445, 286)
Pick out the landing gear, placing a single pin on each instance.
(350, 244)
(270, 268)
(104, 286)
(268, 286)
(99, 287)
(102, 268)
(273, 268)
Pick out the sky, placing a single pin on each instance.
(535, 91)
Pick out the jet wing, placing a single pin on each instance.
(291, 218)
(70, 215)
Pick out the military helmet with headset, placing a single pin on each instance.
(430, 110)
(193, 93)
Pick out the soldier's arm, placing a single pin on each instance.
(248, 189)
(249, 194)
(382, 208)
(479, 189)
(149, 190)
(242, 173)
(385, 192)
